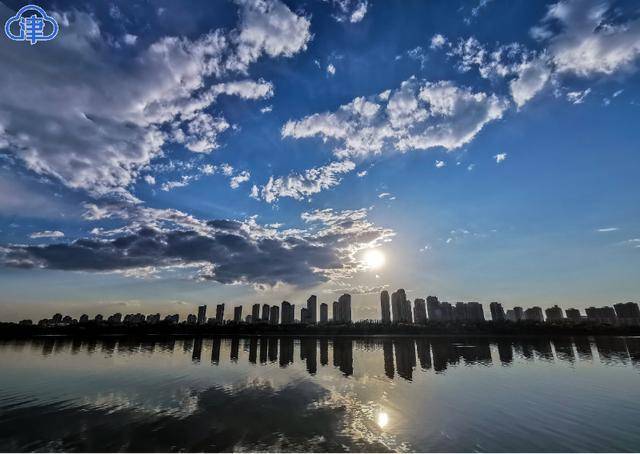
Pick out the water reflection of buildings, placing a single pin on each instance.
(404, 357)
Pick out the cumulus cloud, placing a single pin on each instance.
(300, 186)
(47, 234)
(225, 251)
(595, 37)
(437, 41)
(238, 179)
(532, 76)
(97, 136)
(416, 116)
(440, 164)
(331, 70)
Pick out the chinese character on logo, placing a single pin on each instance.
(39, 26)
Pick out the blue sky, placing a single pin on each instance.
(156, 156)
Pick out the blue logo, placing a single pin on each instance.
(36, 27)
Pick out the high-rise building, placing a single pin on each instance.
(265, 312)
(433, 308)
(335, 314)
(344, 309)
(573, 315)
(384, 307)
(255, 313)
(288, 314)
(401, 307)
(312, 308)
(202, 314)
(519, 313)
(628, 313)
(237, 314)
(419, 311)
(475, 313)
(274, 315)
(220, 313)
(605, 314)
(511, 316)
(304, 315)
(324, 313)
(534, 314)
(497, 312)
(554, 314)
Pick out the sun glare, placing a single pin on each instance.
(382, 419)
(373, 259)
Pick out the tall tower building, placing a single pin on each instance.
(419, 311)
(344, 307)
(220, 313)
(312, 309)
(274, 316)
(324, 313)
(202, 314)
(433, 308)
(255, 313)
(237, 314)
(497, 312)
(554, 314)
(385, 307)
(265, 312)
(287, 313)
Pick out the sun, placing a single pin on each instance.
(373, 259)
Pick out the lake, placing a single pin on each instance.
(320, 394)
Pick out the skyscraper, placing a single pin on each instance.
(237, 314)
(324, 313)
(274, 316)
(497, 312)
(534, 314)
(344, 308)
(220, 313)
(554, 313)
(255, 313)
(519, 313)
(573, 314)
(433, 308)
(384, 307)
(304, 315)
(312, 308)
(265, 312)
(419, 311)
(202, 314)
(288, 314)
(335, 311)
(628, 313)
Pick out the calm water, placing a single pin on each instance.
(426, 394)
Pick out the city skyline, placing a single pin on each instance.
(156, 157)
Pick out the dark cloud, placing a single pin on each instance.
(224, 251)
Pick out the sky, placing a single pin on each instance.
(159, 155)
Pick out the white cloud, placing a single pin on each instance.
(47, 234)
(470, 167)
(440, 164)
(299, 186)
(150, 179)
(417, 116)
(130, 39)
(382, 195)
(500, 157)
(238, 179)
(577, 97)
(591, 39)
(607, 229)
(266, 109)
(350, 10)
(532, 77)
(98, 136)
(362, 173)
(331, 70)
(437, 41)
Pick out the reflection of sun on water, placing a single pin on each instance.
(383, 419)
(373, 259)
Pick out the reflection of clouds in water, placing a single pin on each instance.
(180, 403)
